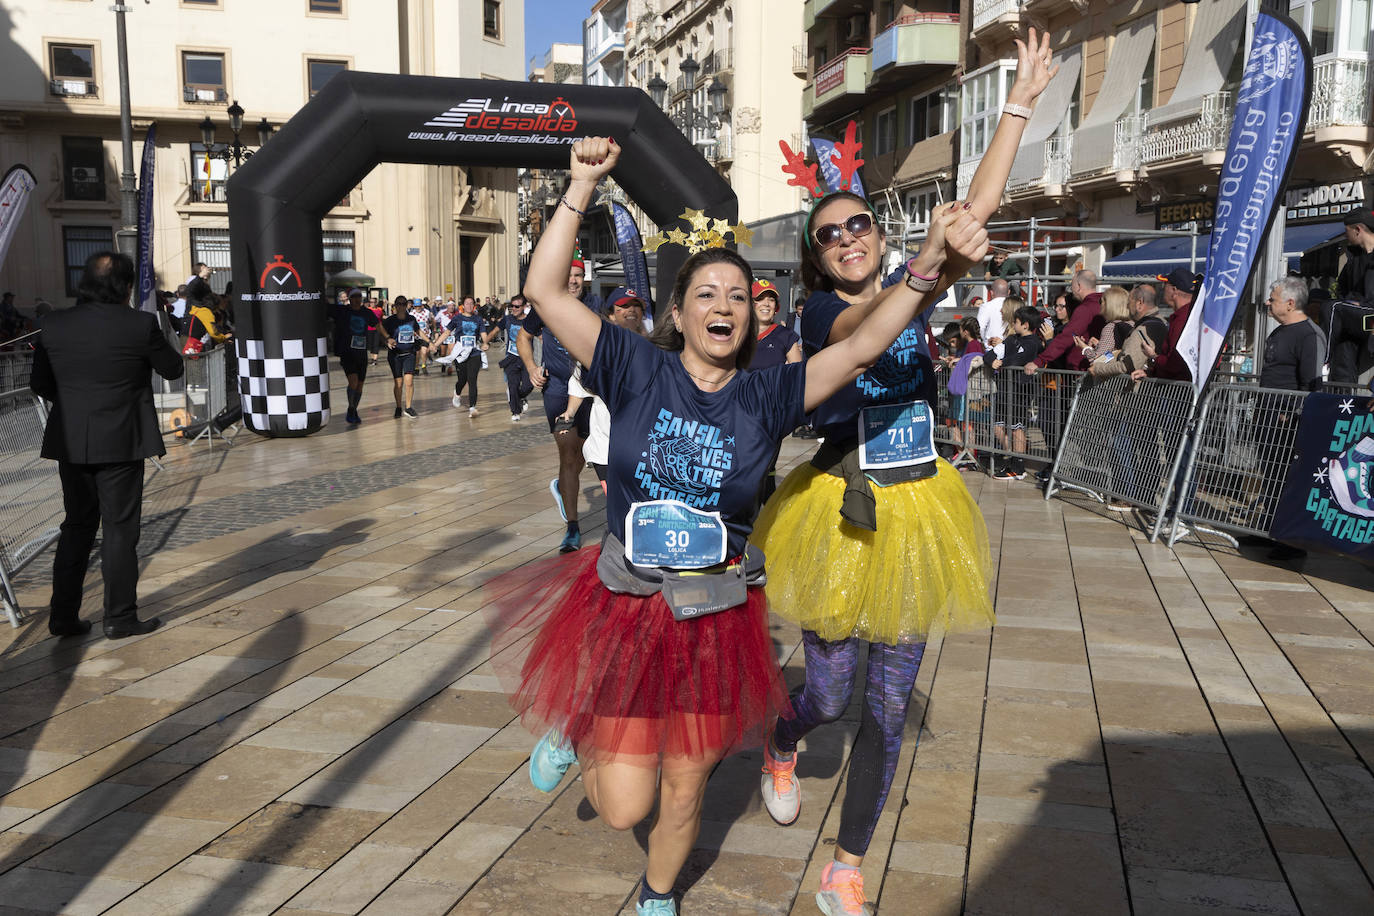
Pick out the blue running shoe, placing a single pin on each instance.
(656, 908)
(550, 760)
(571, 541)
(558, 498)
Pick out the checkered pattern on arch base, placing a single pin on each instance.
(284, 380)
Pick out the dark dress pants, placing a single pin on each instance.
(94, 495)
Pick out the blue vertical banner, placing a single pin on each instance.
(632, 254)
(147, 278)
(1269, 120)
(830, 172)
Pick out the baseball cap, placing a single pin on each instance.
(354, 292)
(622, 296)
(1182, 278)
(1360, 218)
(764, 286)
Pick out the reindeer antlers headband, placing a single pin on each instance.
(844, 162)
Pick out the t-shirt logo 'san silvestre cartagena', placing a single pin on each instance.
(685, 461)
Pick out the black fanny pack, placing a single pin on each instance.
(689, 593)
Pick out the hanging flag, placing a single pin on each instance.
(632, 258)
(1327, 503)
(1269, 120)
(14, 196)
(208, 187)
(830, 170)
(147, 278)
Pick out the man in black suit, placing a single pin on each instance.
(93, 362)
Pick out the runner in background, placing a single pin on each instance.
(351, 324)
(518, 384)
(404, 337)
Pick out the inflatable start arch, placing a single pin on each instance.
(278, 198)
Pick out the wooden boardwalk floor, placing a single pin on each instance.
(317, 728)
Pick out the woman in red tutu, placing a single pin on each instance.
(649, 660)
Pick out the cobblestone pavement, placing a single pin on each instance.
(318, 730)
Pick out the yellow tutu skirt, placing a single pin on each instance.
(925, 570)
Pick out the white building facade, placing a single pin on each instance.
(420, 230)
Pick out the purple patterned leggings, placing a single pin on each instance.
(830, 671)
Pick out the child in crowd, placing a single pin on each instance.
(1017, 389)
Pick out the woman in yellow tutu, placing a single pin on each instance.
(875, 539)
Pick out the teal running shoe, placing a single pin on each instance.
(550, 760)
(1350, 478)
(656, 908)
(571, 541)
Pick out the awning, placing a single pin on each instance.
(1158, 256)
(1094, 145)
(1212, 46)
(1048, 115)
(1162, 255)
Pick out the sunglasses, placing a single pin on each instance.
(829, 235)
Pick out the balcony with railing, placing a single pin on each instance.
(1205, 132)
(1126, 143)
(207, 192)
(964, 176)
(722, 61)
(843, 77)
(990, 14)
(606, 42)
(1340, 94)
(800, 65)
(915, 44)
(1058, 162)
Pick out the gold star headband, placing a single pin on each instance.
(706, 233)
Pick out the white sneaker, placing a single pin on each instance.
(515, 418)
(457, 401)
(778, 785)
(472, 411)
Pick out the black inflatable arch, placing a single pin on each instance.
(278, 198)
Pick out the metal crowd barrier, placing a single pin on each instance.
(1245, 440)
(15, 366)
(985, 421)
(1126, 440)
(30, 492)
(195, 405)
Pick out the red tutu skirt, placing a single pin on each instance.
(625, 681)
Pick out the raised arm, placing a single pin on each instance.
(956, 240)
(1033, 74)
(547, 283)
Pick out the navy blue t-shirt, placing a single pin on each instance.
(350, 329)
(510, 326)
(558, 363)
(903, 373)
(772, 349)
(405, 331)
(671, 440)
(467, 330)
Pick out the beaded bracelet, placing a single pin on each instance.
(564, 202)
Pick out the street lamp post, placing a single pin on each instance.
(236, 150)
(127, 237)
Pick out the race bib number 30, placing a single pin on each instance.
(896, 435)
(668, 533)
